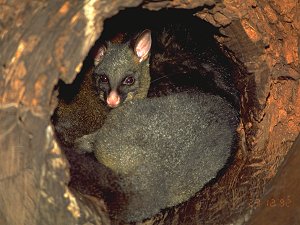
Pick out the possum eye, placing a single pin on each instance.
(129, 80)
(103, 78)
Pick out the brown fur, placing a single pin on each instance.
(84, 114)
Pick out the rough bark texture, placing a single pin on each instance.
(43, 41)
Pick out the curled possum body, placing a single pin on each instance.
(163, 149)
(158, 151)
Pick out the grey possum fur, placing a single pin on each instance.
(164, 149)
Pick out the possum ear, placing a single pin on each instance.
(142, 45)
(100, 53)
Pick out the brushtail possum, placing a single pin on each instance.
(164, 149)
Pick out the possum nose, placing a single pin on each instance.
(113, 99)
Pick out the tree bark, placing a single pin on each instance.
(281, 204)
(44, 41)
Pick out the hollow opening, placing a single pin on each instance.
(185, 57)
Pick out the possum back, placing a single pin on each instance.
(165, 149)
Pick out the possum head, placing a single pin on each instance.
(120, 69)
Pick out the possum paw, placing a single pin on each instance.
(83, 144)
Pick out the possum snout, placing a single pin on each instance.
(113, 100)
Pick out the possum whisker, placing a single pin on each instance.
(157, 79)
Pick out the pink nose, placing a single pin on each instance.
(113, 99)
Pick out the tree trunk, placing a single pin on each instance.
(44, 41)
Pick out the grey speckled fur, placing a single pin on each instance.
(164, 149)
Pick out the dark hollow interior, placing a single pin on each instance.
(174, 70)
